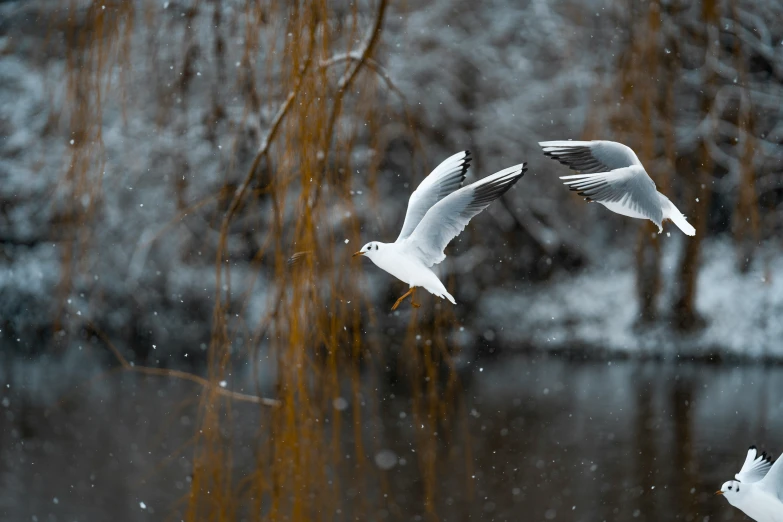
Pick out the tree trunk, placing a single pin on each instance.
(648, 250)
(698, 187)
(648, 272)
(745, 219)
(685, 313)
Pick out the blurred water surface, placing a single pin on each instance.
(537, 438)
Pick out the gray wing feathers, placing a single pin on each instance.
(590, 156)
(773, 480)
(445, 179)
(446, 219)
(630, 186)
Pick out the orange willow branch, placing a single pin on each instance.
(360, 59)
(239, 195)
(263, 148)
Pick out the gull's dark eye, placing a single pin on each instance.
(729, 488)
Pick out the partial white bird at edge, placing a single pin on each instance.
(758, 488)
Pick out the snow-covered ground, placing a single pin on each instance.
(597, 309)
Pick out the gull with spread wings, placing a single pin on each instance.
(758, 488)
(612, 175)
(438, 210)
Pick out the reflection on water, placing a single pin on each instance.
(623, 440)
(542, 439)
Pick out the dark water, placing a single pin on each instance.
(541, 439)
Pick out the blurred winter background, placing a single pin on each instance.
(184, 336)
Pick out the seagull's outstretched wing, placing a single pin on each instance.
(773, 480)
(447, 218)
(591, 156)
(445, 179)
(629, 189)
(755, 467)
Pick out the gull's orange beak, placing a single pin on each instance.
(719, 492)
(359, 253)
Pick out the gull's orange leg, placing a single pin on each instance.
(413, 296)
(409, 292)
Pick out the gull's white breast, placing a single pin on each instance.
(762, 506)
(405, 267)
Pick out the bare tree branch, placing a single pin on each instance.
(177, 374)
(350, 74)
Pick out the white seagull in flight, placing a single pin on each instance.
(612, 175)
(758, 490)
(438, 211)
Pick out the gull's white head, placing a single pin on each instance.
(733, 491)
(370, 250)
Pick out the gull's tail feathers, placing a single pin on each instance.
(449, 297)
(673, 213)
(679, 220)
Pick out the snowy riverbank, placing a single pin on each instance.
(597, 310)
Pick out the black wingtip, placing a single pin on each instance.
(490, 191)
(466, 164)
(764, 456)
(519, 175)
